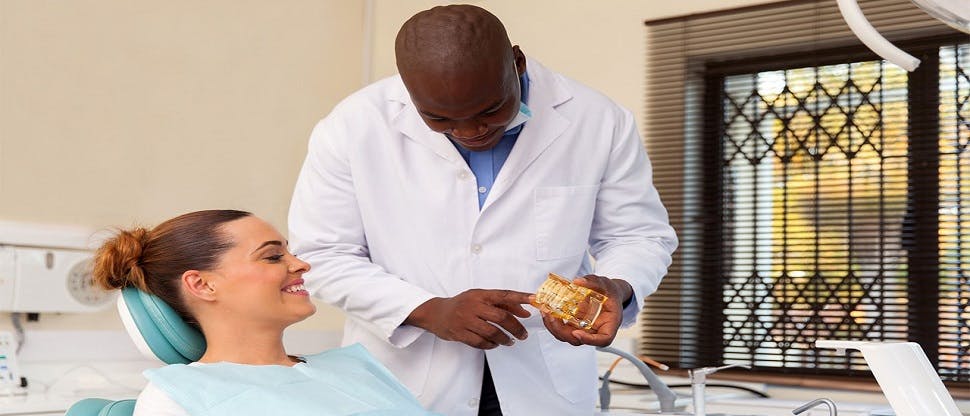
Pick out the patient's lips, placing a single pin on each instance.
(296, 287)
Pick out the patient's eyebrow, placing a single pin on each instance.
(269, 243)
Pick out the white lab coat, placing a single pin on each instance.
(386, 212)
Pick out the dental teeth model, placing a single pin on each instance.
(575, 305)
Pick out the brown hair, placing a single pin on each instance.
(154, 260)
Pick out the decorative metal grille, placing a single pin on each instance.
(814, 177)
(822, 222)
(954, 200)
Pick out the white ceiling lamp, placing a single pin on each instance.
(955, 13)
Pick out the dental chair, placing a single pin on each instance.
(159, 333)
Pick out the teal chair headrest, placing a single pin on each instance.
(102, 407)
(157, 330)
(159, 333)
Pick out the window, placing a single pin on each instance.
(954, 213)
(837, 220)
(819, 192)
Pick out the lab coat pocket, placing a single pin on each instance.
(572, 369)
(563, 217)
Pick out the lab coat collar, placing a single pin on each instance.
(408, 121)
(546, 92)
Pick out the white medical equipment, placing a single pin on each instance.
(907, 379)
(47, 268)
(905, 376)
(10, 380)
(665, 396)
(833, 410)
(698, 378)
(955, 13)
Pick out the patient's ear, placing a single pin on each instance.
(198, 286)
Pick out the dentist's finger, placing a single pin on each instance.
(490, 333)
(594, 338)
(512, 301)
(474, 340)
(558, 329)
(505, 319)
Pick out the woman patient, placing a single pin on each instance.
(230, 274)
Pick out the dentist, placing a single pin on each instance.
(433, 202)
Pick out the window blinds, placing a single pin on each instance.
(683, 103)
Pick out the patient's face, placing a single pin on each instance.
(259, 279)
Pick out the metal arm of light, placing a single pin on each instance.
(870, 37)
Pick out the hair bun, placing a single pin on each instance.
(117, 262)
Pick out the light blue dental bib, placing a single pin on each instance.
(343, 381)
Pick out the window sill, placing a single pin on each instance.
(959, 391)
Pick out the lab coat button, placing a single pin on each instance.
(482, 189)
(473, 403)
(476, 249)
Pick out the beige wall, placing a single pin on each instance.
(113, 111)
(119, 112)
(116, 112)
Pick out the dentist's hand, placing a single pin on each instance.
(606, 325)
(473, 317)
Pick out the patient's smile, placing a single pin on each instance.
(297, 289)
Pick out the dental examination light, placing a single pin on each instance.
(904, 374)
(955, 13)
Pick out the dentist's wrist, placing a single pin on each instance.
(626, 292)
(423, 315)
